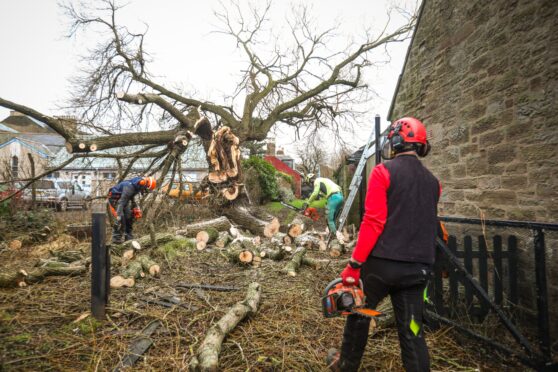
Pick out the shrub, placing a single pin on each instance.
(266, 177)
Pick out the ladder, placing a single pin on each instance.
(367, 152)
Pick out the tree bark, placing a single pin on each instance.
(21, 278)
(223, 239)
(310, 241)
(292, 267)
(336, 249)
(207, 358)
(242, 216)
(220, 224)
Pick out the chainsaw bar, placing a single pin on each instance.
(367, 312)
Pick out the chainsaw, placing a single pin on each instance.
(308, 212)
(342, 300)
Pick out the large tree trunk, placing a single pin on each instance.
(207, 358)
(242, 216)
(220, 224)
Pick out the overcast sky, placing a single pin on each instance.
(36, 60)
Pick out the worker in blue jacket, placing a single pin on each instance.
(123, 206)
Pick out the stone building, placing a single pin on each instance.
(483, 77)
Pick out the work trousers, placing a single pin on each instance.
(333, 206)
(404, 282)
(124, 228)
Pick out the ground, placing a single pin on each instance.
(39, 331)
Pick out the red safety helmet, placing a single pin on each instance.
(150, 183)
(408, 130)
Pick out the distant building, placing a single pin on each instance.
(285, 164)
(22, 137)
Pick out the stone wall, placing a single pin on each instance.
(483, 77)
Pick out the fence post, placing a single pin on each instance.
(100, 261)
(542, 296)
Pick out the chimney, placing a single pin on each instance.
(270, 148)
(281, 151)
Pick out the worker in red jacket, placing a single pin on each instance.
(394, 253)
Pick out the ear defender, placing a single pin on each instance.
(424, 149)
(143, 182)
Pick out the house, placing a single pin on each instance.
(25, 141)
(23, 138)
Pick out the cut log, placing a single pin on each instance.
(310, 241)
(242, 216)
(127, 256)
(223, 239)
(293, 265)
(13, 279)
(336, 249)
(201, 245)
(219, 224)
(208, 235)
(238, 254)
(296, 227)
(207, 358)
(148, 265)
(282, 238)
(273, 254)
(51, 263)
(128, 275)
(314, 263)
(21, 278)
(67, 256)
(144, 241)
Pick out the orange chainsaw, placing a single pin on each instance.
(342, 300)
(308, 212)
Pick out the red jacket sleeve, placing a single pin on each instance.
(375, 213)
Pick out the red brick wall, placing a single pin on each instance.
(282, 167)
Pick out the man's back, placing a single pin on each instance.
(412, 198)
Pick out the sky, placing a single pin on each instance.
(37, 60)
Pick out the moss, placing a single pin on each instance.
(175, 248)
(89, 326)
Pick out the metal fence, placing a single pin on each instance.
(470, 280)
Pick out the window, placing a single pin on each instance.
(56, 174)
(82, 177)
(75, 177)
(109, 176)
(15, 166)
(44, 184)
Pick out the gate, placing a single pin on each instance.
(470, 280)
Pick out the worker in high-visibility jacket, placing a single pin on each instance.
(123, 206)
(334, 196)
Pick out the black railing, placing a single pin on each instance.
(458, 265)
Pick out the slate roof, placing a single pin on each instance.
(36, 147)
(26, 124)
